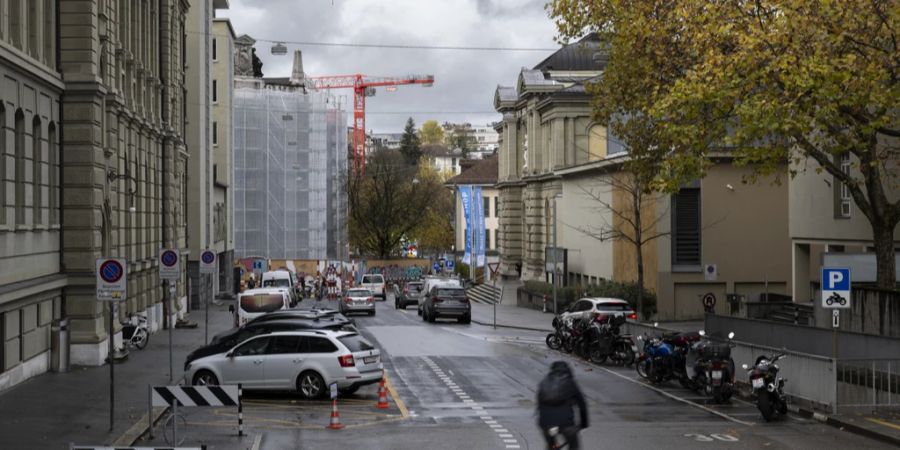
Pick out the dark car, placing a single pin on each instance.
(223, 342)
(303, 314)
(409, 295)
(446, 301)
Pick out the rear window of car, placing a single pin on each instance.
(373, 279)
(359, 293)
(450, 292)
(414, 286)
(277, 282)
(356, 343)
(613, 307)
(261, 303)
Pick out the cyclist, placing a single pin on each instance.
(558, 394)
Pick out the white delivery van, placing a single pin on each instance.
(281, 279)
(256, 302)
(375, 283)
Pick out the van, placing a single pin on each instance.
(281, 279)
(375, 283)
(256, 302)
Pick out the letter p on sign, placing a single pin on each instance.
(834, 278)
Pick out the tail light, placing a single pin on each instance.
(370, 300)
(346, 361)
(406, 290)
(437, 299)
(632, 316)
(717, 365)
(347, 300)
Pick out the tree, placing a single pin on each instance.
(434, 233)
(461, 137)
(431, 133)
(777, 83)
(386, 205)
(409, 143)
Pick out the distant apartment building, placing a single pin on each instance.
(387, 141)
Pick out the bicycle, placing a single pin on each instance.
(135, 332)
(555, 435)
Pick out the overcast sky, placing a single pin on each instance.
(464, 80)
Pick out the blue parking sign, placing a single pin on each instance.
(835, 287)
(449, 264)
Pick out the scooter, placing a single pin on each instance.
(768, 387)
(713, 368)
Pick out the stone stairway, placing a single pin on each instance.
(483, 293)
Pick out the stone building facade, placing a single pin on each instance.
(223, 150)
(92, 164)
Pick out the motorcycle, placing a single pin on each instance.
(557, 337)
(602, 341)
(657, 360)
(711, 369)
(768, 387)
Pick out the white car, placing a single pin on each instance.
(598, 306)
(375, 283)
(357, 300)
(307, 362)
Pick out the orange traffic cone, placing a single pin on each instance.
(382, 396)
(335, 417)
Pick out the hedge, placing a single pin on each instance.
(605, 288)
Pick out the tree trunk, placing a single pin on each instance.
(883, 236)
(637, 200)
(640, 283)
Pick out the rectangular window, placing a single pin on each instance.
(487, 206)
(497, 207)
(215, 50)
(497, 238)
(487, 240)
(845, 198)
(686, 227)
(215, 133)
(215, 91)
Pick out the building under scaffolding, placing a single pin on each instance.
(290, 166)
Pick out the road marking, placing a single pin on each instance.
(404, 413)
(257, 441)
(501, 430)
(677, 398)
(505, 435)
(881, 422)
(510, 441)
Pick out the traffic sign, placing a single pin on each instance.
(449, 264)
(836, 287)
(710, 272)
(112, 279)
(436, 266)
(169, 266)
(494, 266)
(709, 301)
(208, 262)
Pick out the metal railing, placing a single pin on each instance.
(868, 383)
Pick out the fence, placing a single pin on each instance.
(868, 384)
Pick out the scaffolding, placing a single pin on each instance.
(290, 166)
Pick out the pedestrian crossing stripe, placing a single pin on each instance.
(195, 395)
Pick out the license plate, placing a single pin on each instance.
(757, 383)
(370, 359)
(717, 374)
(359, 303)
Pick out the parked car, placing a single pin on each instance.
(283, 279)
(375, 283)
(587, 307)
(357, 300)
(256, 302)
(409, 295)
(446, 301)
(325, 316)
(429, 282)
(225, 341)
(303, 361)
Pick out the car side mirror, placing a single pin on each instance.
(229, 355)
(231, 309)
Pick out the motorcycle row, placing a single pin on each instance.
(696, 361)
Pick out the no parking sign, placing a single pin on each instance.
(112, 279)
(208, 262)
(169, 267)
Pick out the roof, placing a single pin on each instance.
(438, 150)
(507, 94)
(485, 171)
(586, 54)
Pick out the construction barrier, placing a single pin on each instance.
(197, 396)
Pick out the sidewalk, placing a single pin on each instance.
(510, 316)
(55, 409)
(882, 426)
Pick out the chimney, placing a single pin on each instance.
(297, 75)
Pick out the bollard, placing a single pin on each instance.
(240, 410)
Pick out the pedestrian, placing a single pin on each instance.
(558, 395)
(251, 283)
(303, 286)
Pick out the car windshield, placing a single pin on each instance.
(450, 292)
(359, 293)
(373, 279)
(356, 343)
(414, 286)
(277, 282)
(261, 303)
(613, 307)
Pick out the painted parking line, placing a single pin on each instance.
(882, 422)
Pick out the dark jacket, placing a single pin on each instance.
(558, 394)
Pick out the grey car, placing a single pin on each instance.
(446, 302)
(409, 295)
(358, 300)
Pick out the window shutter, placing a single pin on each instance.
(686, 237)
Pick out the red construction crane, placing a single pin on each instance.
(363, 86)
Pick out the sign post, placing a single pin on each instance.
(207, 266)
(170, 270)
(494, 266)
(835, 296)
(112, 283)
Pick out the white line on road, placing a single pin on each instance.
(677, 398)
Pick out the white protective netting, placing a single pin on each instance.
(290, 163)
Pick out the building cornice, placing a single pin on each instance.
(28, 66)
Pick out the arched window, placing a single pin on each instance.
(53, 168)
(19, 139)
(596, 143)
(37, 172)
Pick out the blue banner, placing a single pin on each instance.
(465, 196)
(478, 203)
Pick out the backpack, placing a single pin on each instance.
(556, 389)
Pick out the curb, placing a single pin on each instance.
(491, 324)
(139, 429)
(844, 426)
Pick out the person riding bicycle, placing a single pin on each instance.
(558, 394)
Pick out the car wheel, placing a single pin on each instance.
(432, 317)
(465, 320)
(372, 313)
(418, 311)
(310, 385)
(205, 378)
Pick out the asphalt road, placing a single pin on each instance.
(468, 386)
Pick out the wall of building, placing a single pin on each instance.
(580, 216)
